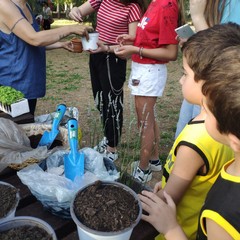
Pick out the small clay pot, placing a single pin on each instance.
(77, 45)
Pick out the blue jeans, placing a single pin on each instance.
(187, 112)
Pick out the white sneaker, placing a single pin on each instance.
(102, 145)
(156, 167)
(138, 173)
(112, 156)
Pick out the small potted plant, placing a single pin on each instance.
(12, 101)
(105, 210)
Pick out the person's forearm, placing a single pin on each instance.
(175, 233)
(169, 53)
(86, 9)
(199, 23)
(54, 46)
(45, 38)
(197, 9)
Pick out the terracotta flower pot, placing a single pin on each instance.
(105, 211)
(77, 45)
(8, 202)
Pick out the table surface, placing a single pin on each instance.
(65, 229)
(24, 118)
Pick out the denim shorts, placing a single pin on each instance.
(147, 79)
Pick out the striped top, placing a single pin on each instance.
(113, 18)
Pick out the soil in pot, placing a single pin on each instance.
(8, 199)
(105, 208)
(25, 232)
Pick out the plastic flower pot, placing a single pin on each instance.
(91, 44)
(10, 199)
(88, 233)
(24, 222)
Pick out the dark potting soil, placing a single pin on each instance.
(25, 232)
(7, 199)
(35, 139)
(105, 208)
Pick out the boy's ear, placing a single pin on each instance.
(234, 142)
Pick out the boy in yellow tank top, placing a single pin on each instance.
(186, 190)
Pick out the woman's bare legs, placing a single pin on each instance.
(149, 130)
(155, 152)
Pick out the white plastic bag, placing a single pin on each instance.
(49, 185)
(71, 112)
(15, 145)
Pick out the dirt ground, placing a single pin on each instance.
(68, 82)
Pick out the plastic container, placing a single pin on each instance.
(29, 221)
(91, 44)
(87, 233)
(12, 211)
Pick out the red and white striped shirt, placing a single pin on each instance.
(114, 17)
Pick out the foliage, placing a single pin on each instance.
(37, 8)
(9, 95)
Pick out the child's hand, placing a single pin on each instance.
(181, 40)
(161, 215)
(125, 39)
(157, 187)
(124, 52)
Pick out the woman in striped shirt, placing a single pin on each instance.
(108, 72)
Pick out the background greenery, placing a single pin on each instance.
(59, 8)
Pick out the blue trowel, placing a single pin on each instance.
(48, 137)
(74, 160)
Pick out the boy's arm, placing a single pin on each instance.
(215, 231)
(186, 166)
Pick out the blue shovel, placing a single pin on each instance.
(74, 160)
(48, 137)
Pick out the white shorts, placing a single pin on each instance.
(147, 79)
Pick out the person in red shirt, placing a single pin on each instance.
(108, 72)
(155, 45)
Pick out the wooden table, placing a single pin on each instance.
(65, 228)
(22, 119)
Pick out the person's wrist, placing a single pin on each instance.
(140, 52)
(107, 49)
(174, 232)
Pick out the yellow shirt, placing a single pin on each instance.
(215, 155)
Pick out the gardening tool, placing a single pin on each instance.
(48, 137)
(74, 160)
